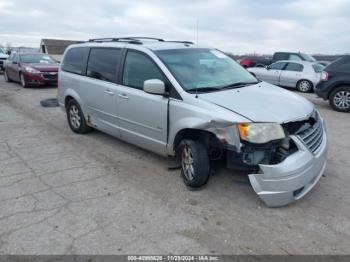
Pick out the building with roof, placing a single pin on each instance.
(55, 47)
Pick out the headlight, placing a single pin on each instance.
(260, 133)
(31, 70)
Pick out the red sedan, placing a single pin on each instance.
(31, 69)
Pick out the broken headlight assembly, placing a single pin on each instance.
(263, 143)
(260, 133)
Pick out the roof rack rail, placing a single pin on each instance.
(120, 39)
(146, 38)
(135, 40)
(182, 42)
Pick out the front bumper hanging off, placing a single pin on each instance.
(290, 180)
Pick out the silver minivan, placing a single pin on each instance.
(197, 104)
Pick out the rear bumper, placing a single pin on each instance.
(322, 90)
(281, 184)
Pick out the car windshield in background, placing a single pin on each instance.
(204, 70)
(318, 68)
(308, 57)
(2, 51)
(37, 59)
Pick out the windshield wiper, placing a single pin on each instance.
(238, 85)
(204, 89)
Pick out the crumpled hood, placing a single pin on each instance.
(262, 103)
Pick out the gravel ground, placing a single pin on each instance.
(62, 193)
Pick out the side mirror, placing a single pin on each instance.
(154, 86)
(14, 62)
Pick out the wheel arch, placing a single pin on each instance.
(209, 139)
(337, 85)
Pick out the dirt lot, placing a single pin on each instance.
(62, 193)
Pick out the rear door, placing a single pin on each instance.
(142, 116)
(273, 72)
(99, 91)
(291, 74)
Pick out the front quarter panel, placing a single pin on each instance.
(202, 116)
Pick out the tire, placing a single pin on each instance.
(195, 164)
(23, 81)
(304, 86)
(339, 99)
(76, 119)
(7, 79)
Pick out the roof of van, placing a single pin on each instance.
(149, 44)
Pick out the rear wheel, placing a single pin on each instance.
(304, 86)
(340, 99)
(76, 119)
(7, 79)
(195, 164)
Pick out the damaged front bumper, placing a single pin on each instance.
(280, 184)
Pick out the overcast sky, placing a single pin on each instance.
(237, 26)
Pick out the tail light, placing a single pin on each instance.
(324, 76)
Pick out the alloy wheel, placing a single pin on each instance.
(304, 86)
(187, 162)
(342, 100)
(23, 81)
(74, 117)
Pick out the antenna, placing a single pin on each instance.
(197, 31)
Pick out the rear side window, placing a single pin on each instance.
(277, 66)
(139, 68)
(103, 64)
(294, 57)
(318, 68)
(74, 60)
(280, 56)
(294, 67)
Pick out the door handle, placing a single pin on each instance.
(109, 92)
(124, 96)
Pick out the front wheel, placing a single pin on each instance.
(23, 81)
(195, 164)
(304, 86)
(76, 119)
(340, 99)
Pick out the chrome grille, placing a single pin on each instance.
(50, 75)
(313, 136)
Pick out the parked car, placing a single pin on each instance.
(3, 57)
(254, 61)
(335, 84)
(324, 63)
(31, 69)
(262, 61)
(292, 56)
(197, 104)
(301, 75)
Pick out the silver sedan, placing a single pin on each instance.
(302, 75)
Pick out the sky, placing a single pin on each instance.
(236, 26)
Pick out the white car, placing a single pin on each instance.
(3, 57)
(302, 75)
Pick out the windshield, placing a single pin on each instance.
(204, 69)
(307, 57)
(37, 59)
(2, 51)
